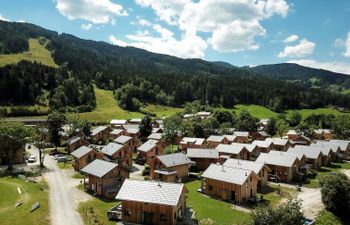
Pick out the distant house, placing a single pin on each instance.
(335, 154)
(74, 143)
(189, 142)
(230, 137)
(118, 152)
(241, 136)
(235, 150)
(150, 149)
(155, 136)
(104, 178)
(203, 115)
(203, 157)
(83, 156)
(291, 134)
(214, 140)
(100, 133)
(303, 167)
(263, 146)
(117, 124)
(133, 132)
(135, 120)
(285, 167)
(157, 123)
(129, 142)
(260, 169)
(260, 135)
(150, 202)
(263, 124)
(323, 134)
(279, 144)
(170, 167)
(230, 183)
(300, 140)
(344, 147)
(157, 130)
(116, 133)
(313, 155)
(17, 157)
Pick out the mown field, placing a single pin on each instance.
(31, 193)
(37, 52)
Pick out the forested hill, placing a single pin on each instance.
(305, 75)
(139, 76)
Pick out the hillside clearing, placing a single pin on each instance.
(37, 52)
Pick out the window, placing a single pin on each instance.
(163, 217)
(210, 187)
(127, 212)
(251, 178)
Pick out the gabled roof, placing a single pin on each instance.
(262, 144)
(157, 130)
(277, 160)
(174, 159)
(111, 148)
(215, 138)
(162, 193)
(135, 120)
(230, 149)
(122, 139)
(343, 144)
(321, 131)
(202, 153)
(292, 132)
(133, 130)
(241, 133)
(118, 122)
(244, 164)
(131, 126)
(99, 168)
(230, 138)
(263, 133)
(117, 131)
(72, 140)
(227, 174)
(148, 145)
(98, 130)
(326, 144)
(155, 136)
(309, 152)
(191, 140)
(299, 155)
(278, 141)
(80, 152)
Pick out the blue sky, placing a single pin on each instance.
(313, 33)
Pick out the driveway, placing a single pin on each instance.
(311, 201)
(63, 194)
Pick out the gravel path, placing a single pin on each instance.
(311, 201)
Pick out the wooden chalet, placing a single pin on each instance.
(260, 135)
(291, 134)
(229, 183)
(115, 133)
(300, 140)
(214, 140)
(189, 142)
(129, 142)
(150, 149)
(203, 157)
(344, 147)
(135, 121)
(17, 157)
(155, 136)
(241, 136)
(157, 123)
(74, 143)
(263, 146)
(118, 153)
(151, 202)
(234, 150)
(83, 156)
(313, 155)
(117, 124)
(323, 134)
(279, 144)
(100, 133)
(170, 167)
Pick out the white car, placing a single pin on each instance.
(32, 159)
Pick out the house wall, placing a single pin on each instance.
(263, 175)
(203, 164)
(231, 192)
(240, 139)
(98, 185)
(284, 173)
(124, 155)
(70, 148)
(83, 161)
(101, 136)
(182, 170)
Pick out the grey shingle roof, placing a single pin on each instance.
(148, 145)
(231, 138)
(111, 148)
(174, 159)
(215, 138)
(299, 155)
(117, 131)
(309, 152)
(227, 174)
(135, 120)
(263, 133)
(150, 192)
(343, 144)
(262, 144)
(99, 168)
(118, 122)
(155, 136)
(320, 131)
(133, 130)
(202, 153)
(278, 141)
(278, 160)
(188, 140)
(230, 149)
(122, 139)
(244, 164)
(291, 132)
(83, 150)
(326, 144)
(131, 126)
(241, 133)
(98, 130)
(72, 140)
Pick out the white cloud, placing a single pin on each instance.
(347, 46)
(86, 26)
(339, 67)
(339, 43)
(3, 18)
(116, 41)
(291, 38)
(144, 23)
(97, 12)
(302, 49)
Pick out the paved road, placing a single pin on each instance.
(63, 194)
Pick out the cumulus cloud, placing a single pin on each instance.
(347, 46)
(3, 18)
(291, 38)
(226, 21)
(97, 12)
(339, 67)
(86, 26)
(116, 41)
(145, 23)
(302, 49)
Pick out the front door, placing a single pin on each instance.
(148, 218)
(233, 195)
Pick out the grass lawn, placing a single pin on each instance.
(95, 211)
(272, 197)
(77, 176)
(65, 166)
(326, 217)
(161, 111)
(314, 181)
(212, 211)
(37, 52)
(307, 112)
(31, 193)
(258, 111)
(171, 149)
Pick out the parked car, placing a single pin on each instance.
(308, 221)
(140, 161)
(115, 213)
(62, 158)
(273, 178)
(32, 159)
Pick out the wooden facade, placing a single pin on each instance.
(83, 161)
(158, 149)
(103, 135)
